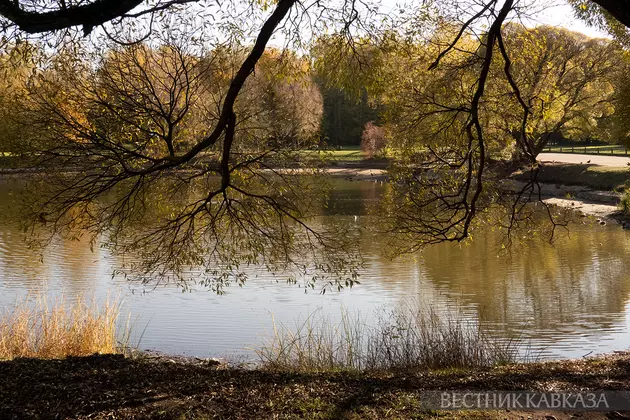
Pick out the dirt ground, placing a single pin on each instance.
(115, 387)
(576, 158)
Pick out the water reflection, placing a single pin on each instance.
(568, 299)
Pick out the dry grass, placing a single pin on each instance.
(407, 338)
(317, 344)
(412, 338)
(55, 329)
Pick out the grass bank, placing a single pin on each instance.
(350, 154)
(351, 157)
(605, 178)
(115, 387)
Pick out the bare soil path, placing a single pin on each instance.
(592, 159)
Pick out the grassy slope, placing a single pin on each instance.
(594, 176)
(114, 387)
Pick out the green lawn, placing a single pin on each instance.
(345, 154)
(613, 149)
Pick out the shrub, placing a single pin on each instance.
(373, 140)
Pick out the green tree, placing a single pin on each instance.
(347, 78)
(617, 125)
(564, 79)
(110, 125)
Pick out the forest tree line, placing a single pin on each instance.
(575, 88)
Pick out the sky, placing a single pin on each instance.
(555, 13)
(552, 12)
(561, 14)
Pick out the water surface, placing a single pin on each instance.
(565, 300)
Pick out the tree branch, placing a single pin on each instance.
(619, 9)
(87, 15)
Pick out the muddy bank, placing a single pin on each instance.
(601, 204)
(595, 177)
(590, 201)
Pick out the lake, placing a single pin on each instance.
(566, 300)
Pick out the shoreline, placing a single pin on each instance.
(596, 203)
(592, 202)
(589, 201)
(117, 387)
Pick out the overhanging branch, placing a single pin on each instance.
(620, 9)
(87, 15)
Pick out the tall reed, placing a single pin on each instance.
(37, 327)
(406, 338)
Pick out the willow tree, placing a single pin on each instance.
(240, 214)
(565, 80)
(171, 151)
(466, 107)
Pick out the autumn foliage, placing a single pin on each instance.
(373, 140)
